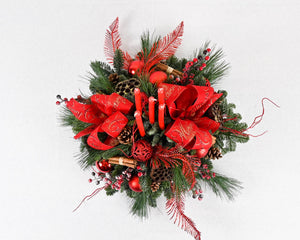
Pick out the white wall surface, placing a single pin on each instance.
(45, 49)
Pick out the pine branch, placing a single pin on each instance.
(99, 81)
(118, 61)
(223, 187)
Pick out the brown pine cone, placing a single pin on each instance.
(215, 113)
(114, 78)
(155, 186)
(214, 153)
(125, 137)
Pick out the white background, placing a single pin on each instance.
(45, 49)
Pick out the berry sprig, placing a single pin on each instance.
(198, 194)
(206, 173)
(198, 64)
(61, 100)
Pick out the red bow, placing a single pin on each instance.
(186, 105)
(105, 113)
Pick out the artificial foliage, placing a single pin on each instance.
(154, 125)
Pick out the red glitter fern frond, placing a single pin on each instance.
(166, 47)
(112, 41)
(175, 208)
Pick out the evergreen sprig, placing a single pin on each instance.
(118, 61)
(99, 82)
(223, 186)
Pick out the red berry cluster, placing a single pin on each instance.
(198, 194)
(196, 64)
(60, 100)
(206, 173)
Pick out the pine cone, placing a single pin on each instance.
(155, 186)
(161, 174)
(114, 78)
(125, 137)
(127, 87)
(215, 113)
(214, 153)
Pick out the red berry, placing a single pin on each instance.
(195, 60)
(207, 58)
(65, 99)
(140, 174)
(90, 180)
(208, 177)
(214, 175)
(58, 103)
(204, 65)
(138, 168)
(208, 49)
(207, 170)
(200, 68)
(200, 198)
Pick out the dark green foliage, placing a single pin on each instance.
(223, 186)
(176, 63)
(110, 191)
(118, 61)
(226, 139)
(147, 87)
(99, 82)
(149, 45)
(180, 182)
(118, 169)
(67, 119)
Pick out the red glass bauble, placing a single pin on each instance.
(103, 166)
(134, 184)
(135, 67)
(142, 150)
(158, 77)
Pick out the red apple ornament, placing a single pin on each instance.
(135, 67)
(134, 184)
(158, 77)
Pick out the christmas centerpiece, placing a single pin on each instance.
(154, 125)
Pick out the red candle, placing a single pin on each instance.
(161, 96)
(152, 101)
(139, 122)
(138, 100)
(161, 117)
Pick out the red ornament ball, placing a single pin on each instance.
(158, 77)
(142, 150)
(103, 166)
(135, 67)
(134, 184)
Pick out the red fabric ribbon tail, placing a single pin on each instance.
(175, 208)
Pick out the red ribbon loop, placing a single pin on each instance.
(105, 113)
(187, 105)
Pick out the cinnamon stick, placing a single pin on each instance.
(167, 69)
(129, 162)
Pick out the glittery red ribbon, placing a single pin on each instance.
(187, 105)
(106, 114)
